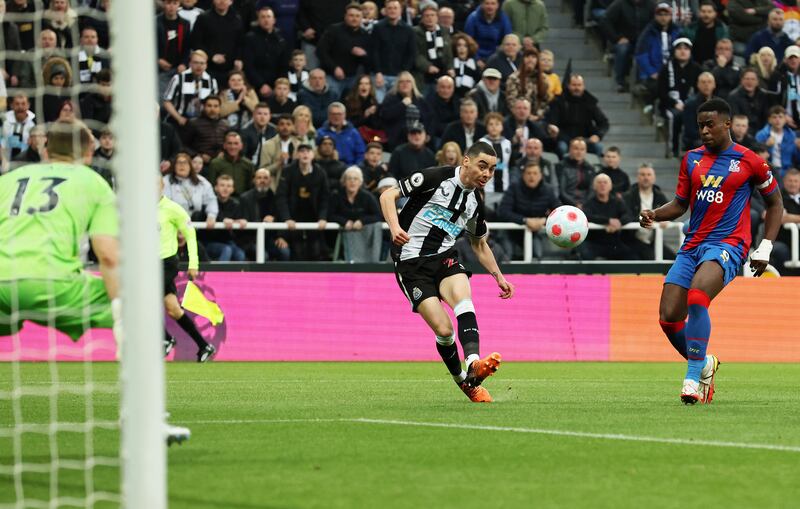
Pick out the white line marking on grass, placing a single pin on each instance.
(581, 434)
(537, 431)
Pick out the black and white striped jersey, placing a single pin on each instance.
(438, 210)
(186, 92)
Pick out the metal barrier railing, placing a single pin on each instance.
(261, 228)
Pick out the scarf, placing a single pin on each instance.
(464, 79)
(435, 43)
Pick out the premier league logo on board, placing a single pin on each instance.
(734, 167)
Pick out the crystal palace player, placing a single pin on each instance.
(442, 203)
(716, 181)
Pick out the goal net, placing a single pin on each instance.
(81, 414)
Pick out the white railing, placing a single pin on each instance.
(794, 261)
(261, 228)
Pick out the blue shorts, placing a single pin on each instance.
(687, 262)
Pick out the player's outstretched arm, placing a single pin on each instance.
(772, 223)
(389, 209)
(106, 248)
(666, 212)
(485, 256)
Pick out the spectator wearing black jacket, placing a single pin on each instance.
(403, 106)
(622, 23)
(575, 175)
(620, 182)
(789, 72)
(676, 82)
(313, 18)
(265, 53)
(170, 145)
(467, 129)
(173, 43)
(394, 48)
(608, 211)
(577, 113)
(528, 202)
(643, 195)
(303, 196)
(750, 100)
(519, 128)
(359, 215)
(260, 205)
(342, 51)
(218, 32)
(443, 106)
(413, 156)
(372, 168)
(746, 18)
(488, 94)
(723, 68)
(705, 92)
(508, 58)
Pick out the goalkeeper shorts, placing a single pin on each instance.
(70, 305)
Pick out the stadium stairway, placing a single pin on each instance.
(632, 132)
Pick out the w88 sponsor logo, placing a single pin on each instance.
(710, 195)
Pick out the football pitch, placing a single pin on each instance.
(368, 435)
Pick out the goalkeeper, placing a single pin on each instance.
(45, 211)
(171, 220)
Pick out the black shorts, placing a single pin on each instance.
(419, 278)
(170, 273)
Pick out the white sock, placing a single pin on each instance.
(460, 377)
(472, 358)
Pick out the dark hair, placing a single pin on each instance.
(707, 2)
(748, 69)
(297, 52)
(375, 144)
(759, 147)
(282, 116)
(614, 149)
(479, 148)
(777, 109)
(212, 98)
(192, 174)
(720, 106)
(352, 5)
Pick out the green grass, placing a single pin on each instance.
(286, 435)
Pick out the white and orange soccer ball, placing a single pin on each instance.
(567, 226)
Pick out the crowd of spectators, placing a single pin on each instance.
(304, 110)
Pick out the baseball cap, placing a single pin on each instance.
(416, 127)
(663, 6)
(681, 40)
(792, 51)
(491, 72)
(305, 146)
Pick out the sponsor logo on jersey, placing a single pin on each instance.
(712, 180)
(416, 179)
(440, 217)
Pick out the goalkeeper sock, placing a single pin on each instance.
(188, 325)
(676, 333)
(449, 351)
(468, 333)
(698, 330)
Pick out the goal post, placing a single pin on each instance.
(135, 123)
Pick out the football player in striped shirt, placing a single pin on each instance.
(442, 203)
(715, 181)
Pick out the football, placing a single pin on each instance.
(567, 226)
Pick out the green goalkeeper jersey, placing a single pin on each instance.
(45, 212)
(172, 218)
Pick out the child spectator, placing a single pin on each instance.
(502, 146)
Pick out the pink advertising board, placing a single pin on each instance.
(274, 316)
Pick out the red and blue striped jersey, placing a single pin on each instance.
(717, 187)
